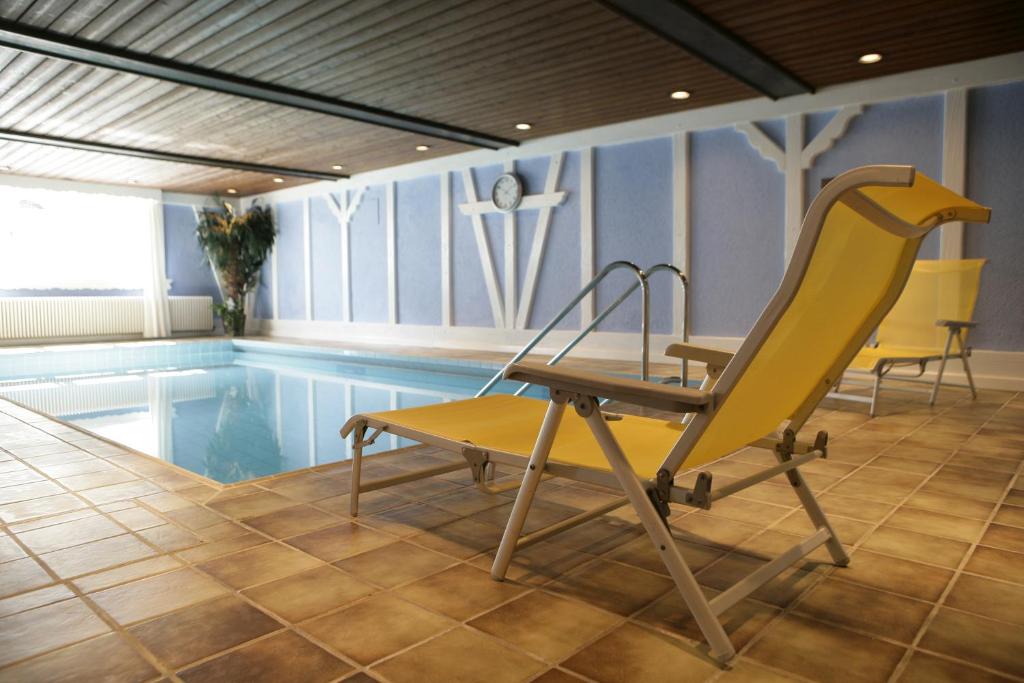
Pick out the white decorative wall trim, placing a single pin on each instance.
(954, 166)
(540, 236)
(483, 246)
(392, 252)
(446, 249)
(275, 285)
(343, 211)
(587, 261)
(307, 260)
(793, 158)
(510, 290)
(680, 223)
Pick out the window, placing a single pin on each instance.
(55, 239)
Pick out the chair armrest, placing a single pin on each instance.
(701, 354)
(956, 324)
(660, 396)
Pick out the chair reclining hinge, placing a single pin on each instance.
(700, 496)
(660, 493)
(785, 448)
(478, 461)
(362, 442)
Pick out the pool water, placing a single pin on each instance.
(231, 411)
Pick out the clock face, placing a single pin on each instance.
(507, 192)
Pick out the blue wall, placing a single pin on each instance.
(418, 243)
(188, 269)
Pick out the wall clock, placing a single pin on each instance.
(507, 192)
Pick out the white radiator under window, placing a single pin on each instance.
(47, 317)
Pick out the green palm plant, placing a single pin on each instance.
(237, 246)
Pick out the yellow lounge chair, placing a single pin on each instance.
(855, 251)
(929, 322)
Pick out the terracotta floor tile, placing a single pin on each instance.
(108, 658)
(221, 547)
(341, 541)
(999, 564)
(34, 598)
(156, 595)
(130, 489)
(47, 628)
(459, 592)
(641, 553)
(747, 671)
(258, 565)
(615, 587)
(995, 599)
(893, 574)
(808, 648)
(28, 491)
(169, 537)
(37, 507)
(251, 505)
(126, 573)
(854, 508)
(80, 482)
(461, 539)
(936, 524)
(9, 550)
(21, 575)
(292, 521)
(545, 625)
(282, 657)
(926, 668)
(24, 475)
(443, 659)
(780, 591)
(864, 609)
(991, 644)
(70, 469)
(202, 630)
(742, 621)
(408, 520)
(394, 564)
(376, 627)
(849, 531)
(97, 555)
(1004, 537)
(705, 529)
(918, 547)
(311, 487)
(557, 676)
(939, 502)
(136, 518)
(302, 596)
(1010, 515)
(369, 503)
(631, 653)
(48, 539)
(194, 517)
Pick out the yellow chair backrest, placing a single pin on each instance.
(842, 279)
(937, 290)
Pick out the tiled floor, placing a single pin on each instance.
(117, 567)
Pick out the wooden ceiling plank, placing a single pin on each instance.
(73, 49)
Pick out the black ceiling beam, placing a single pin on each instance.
(62, 46)
(156, 155)
(681, 24)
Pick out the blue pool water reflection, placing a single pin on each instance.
(230, 411)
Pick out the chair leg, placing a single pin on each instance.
(942, 369)
(531, 479)
(718, 640)
(817, 515)
(967, 371)
(874, 393)
(357, 466)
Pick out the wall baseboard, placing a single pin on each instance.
(1002, 370)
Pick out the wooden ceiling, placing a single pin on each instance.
(483, 65)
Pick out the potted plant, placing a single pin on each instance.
(237, 245)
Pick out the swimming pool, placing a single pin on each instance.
(230, 410)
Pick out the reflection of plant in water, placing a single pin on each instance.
(242, 421)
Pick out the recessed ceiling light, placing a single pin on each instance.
(422, 148)
(278, 180)
(870, 58)
(680, 95)
(524, 126)
(336, 167)
(232, 190)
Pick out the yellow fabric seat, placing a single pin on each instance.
(868, 357)
(511, 423)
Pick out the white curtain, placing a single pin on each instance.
(155, 304)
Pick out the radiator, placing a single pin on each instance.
(49, 317)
